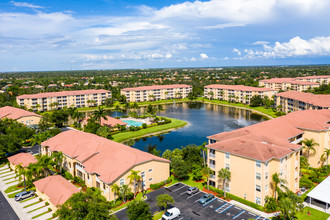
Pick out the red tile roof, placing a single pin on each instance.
(15, 113)
(111, 122)
(22, 158)
(287, 80)
(56, 188)
(238, 87)
(99, 155)
(275, 134)
(141, 88)
(63, 93)
(314, 77)
(317, 100)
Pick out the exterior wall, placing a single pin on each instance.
(235, 95)
(244, 171)
(64, 101)
(45, 198)
(160, 94)
(290, 105)
(29, 120)
(285, 86)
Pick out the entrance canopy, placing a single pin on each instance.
(322, 191)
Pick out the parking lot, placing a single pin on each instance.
(191, 209)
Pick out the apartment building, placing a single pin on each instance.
(238, 93)
(102, 163)
(158, 92)
(294, 101)
(254, 153)
(23, 159)
(20, 115)
(316, 79)
(78, 98)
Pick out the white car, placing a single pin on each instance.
(171, 214)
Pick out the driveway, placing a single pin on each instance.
(191, 209)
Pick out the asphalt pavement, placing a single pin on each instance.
(6, 211)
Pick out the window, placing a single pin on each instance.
(258, 176)
(227, 166)
(281, 173)
(227, 156)
(150, 170)
(97, 184)
(266, 175)
(258, 163)
(103, 185)
(258, 200)
(227, 187)
(258, 188)
(281, 160)
(122, 182)
(150, 179)
(212, 183)
(212, 164)
(142, 175)
(266, 188)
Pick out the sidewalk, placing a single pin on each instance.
(260, 213)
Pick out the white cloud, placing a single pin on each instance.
(204, 56)
(237, 51)
(193, 59)
(260, 42)
(296, 47)
(25, 4)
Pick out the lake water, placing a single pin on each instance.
(203, 120)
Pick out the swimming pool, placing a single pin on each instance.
(133, 123)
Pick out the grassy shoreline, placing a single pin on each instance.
(124, 136)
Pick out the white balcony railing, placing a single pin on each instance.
(212, 166)
(212, 155)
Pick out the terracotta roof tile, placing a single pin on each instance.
(238, 87)
(111, 122)
(317, 100)
(156, 87)
(63, 93)
(22, 158)
(56, 188)
(15, 113)
(99, 155)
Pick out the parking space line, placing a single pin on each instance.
(220, 207)
(179, 188)
(209, 202)
(237, 208)
(174, 185)
(183, 193)
(258, 217)
(192, 195)
(226, 209)
(238, 214)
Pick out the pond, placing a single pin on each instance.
(203, 120)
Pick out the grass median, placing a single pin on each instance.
(124, 136)
(311, 214)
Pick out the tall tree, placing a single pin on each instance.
(206, 174)
(309, 145)
(21, 171)
(58, 158)
(277, 182)
(99, 114)
(225, 176)
(164, 200)
(134, 178)
(139, 210)
(325, 156)
(124, 190)
(116, 190)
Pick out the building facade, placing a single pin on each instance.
(238, 93)
(294, 101)
(58, 100)
(20, 115)
(101, 163)
(158, 92)
(254, 153)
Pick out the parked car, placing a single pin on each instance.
(171, 214)
(192, 190)
(23, 195)
(206, 198)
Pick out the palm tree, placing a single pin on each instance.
(134, 178)
(206, 173)
(225, 176)
(21, 171)
(124, 190)
(35, 169)
(99, 114)
(325, 156)
(309, 145)
(166, 94)
(47, 163)
(276, 181)
(58, 158)
(210, 94)
(117, 109)
(115, 189)
(38, 106)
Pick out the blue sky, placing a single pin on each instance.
(115, 34)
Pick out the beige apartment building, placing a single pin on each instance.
(295, 84)
(102, 163)
(254, 153)
(238, 93)
(78, 98)
(20, 115)
(295, 101)
(158, 92)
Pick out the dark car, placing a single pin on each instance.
(23, 195)
(192, 190)
(206, 198)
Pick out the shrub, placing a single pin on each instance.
(219, 191)
(157, 185)
(130, 196)
(144, 125)
(40, 199)
(79, 181)
(54, 215)
(118, 203)
(168, 180)
(49, 209)
(270, 205)
(46, 203)
(305, 182)
(67, 175)
(246, 202)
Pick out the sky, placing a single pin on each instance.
(44, 35)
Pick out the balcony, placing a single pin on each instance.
(212, 166)
(211, 155)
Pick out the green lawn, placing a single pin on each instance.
(138, 197)
(189, 182)
(25, 200)
(10, 178)
(175, 123)
(32, 203)
(12, 189)
(40, 215)
(314, 214)
(37, 209)
(4, 173)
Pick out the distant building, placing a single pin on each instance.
(78, 98)
(294, 101)
(238, 93)
(110, 122)
(23, 159)
(157, 92)
(20, 115)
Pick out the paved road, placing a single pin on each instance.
(6, 211)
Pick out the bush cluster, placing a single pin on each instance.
(67, 175)
(161, 184)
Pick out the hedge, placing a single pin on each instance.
(161, 184)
